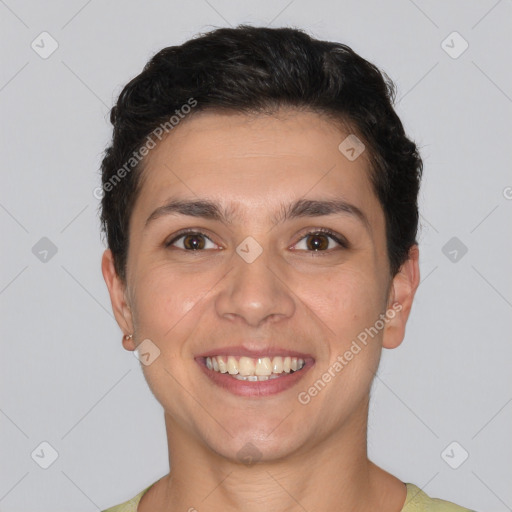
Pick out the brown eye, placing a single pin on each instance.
(319, 240)
(190, 241)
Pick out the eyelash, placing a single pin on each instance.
(337, 238)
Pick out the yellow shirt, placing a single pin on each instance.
(415, 501)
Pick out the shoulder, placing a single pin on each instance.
(418, 501)
(130, 505)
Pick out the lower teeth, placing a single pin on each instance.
(256, 378)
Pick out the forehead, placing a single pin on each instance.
(253, 163)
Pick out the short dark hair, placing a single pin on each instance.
(258, 70)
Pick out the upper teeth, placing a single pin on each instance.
(247, 366)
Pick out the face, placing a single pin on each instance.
(269, 277)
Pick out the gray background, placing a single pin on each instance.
(65, 378)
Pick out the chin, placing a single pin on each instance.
(251, 445)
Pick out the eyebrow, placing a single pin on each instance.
(207, 209)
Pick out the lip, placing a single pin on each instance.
(243, 351)
(257, 389)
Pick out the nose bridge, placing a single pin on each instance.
(256, 288)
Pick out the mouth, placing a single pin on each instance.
(254, 369)
(255, 375)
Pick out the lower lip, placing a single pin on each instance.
(258, 388)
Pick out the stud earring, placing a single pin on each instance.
(128, 336)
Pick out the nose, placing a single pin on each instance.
(256, 292)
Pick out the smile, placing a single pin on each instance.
(254, 369)
(254, 374)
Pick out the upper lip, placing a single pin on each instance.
(256, 354)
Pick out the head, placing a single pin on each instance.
(275, 137)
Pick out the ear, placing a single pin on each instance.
(117, 291)
(401, 295)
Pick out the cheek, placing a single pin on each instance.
(349, 304)
(348, 299)
(168, 299)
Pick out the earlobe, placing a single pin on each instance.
(117, 291)
(401, 296)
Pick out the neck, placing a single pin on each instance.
(332, 475)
